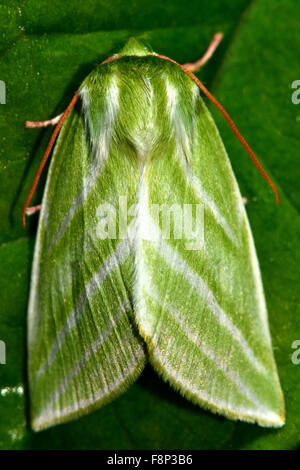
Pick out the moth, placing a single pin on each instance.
(144, 252)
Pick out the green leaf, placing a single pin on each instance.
(46, 50)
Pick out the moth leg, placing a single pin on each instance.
(33, 209)
(50, 122)
(195, 66)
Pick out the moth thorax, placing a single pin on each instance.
(144, 141)
(143, 135)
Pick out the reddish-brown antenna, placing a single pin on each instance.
(230, 122)
(47, 152)
(46, 155)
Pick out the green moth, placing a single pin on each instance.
(144, 253)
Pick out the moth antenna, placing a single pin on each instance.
(230, 122)
(46, 155)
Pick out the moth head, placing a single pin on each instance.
(135, 47)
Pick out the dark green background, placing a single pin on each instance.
(46, 50)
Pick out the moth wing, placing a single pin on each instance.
(200, 301)
(83, 347)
